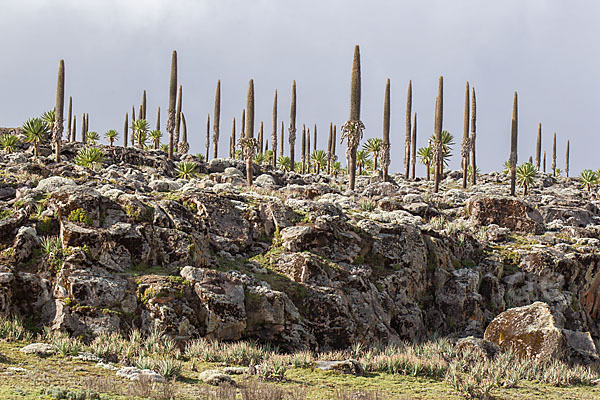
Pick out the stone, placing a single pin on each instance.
(39, 349)
(481, 346)
(215, 377)
(582, 349)
(350, 367)
(265, 181)
(530, 331)
(511, 213)
(134, 374)
(54, 183)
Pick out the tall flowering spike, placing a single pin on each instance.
(143, 105)
(466, 145)
(207, 142)
(261, 138)
(413, 154)
(567, 159)
(69, 118)
(232, 140)
(303, 153)
(172, 101)
(538, 146)
(83, 136)
(249, 145)
(513, 146)
(158, 119)
(308, 150)
(57, 129)
(554, 155)
(333, 141)
(407, 135)
(274, 131)
(125, 130)
(353, 129)
(243, 131)
(473, 137)
(329, 153)
(437, 150)
(315, 138)
(281, 141)
(183, 146)
(292, 130)
(74, 131)
(385, 162)
(178, 115)
(544, 162)
(217, 120)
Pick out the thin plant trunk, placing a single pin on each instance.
(473, 137)
(386, 132)
(513, 146)
(172, 100)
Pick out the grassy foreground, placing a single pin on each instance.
(428, 371)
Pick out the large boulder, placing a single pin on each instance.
(511, 213)
(530, 331)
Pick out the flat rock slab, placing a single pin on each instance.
(350, 367)
(215, 377)
(134, 374)
(39, 349)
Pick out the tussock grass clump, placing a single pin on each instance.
(12, 330)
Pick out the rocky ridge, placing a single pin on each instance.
(296, 260)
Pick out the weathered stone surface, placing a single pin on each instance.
(215, 377)
(477, 345)
(39, 349)
(506, 212)
(351, 367)
(530, 331)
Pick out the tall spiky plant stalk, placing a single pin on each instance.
(303, 153)
(538, 147)
(132, 114)
(308, 150)
(250, 143)
(513, 146)
(407, 135)
(59, 111)
(217, 120)
(83, 135)
(178, 115)
(385, 162)
(172, 100)
(261, 138)
(329, 152)
(74, 129)
(554, 155)
(567, 159)
(292, 130)
(69, 119)
(466, 145)
(353, 129)
(315, 138)
(143, 105)
(158, 119)
(207, 144)
(473, 137)
(438, 151)
(281, 139)
(413, 155)
(544, 162)
(333, 142)
(125, 130)
(274, 131)
(232, 140)
(140, 113)
(183, 146)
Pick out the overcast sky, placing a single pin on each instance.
(114, 49)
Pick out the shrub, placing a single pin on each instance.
(90, 157)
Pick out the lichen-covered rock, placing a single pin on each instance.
(350, 367)
(477, 345)
(39, 349)
(530, 331)
(506, 212)
(215, 377)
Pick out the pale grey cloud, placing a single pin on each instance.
(115, 49)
